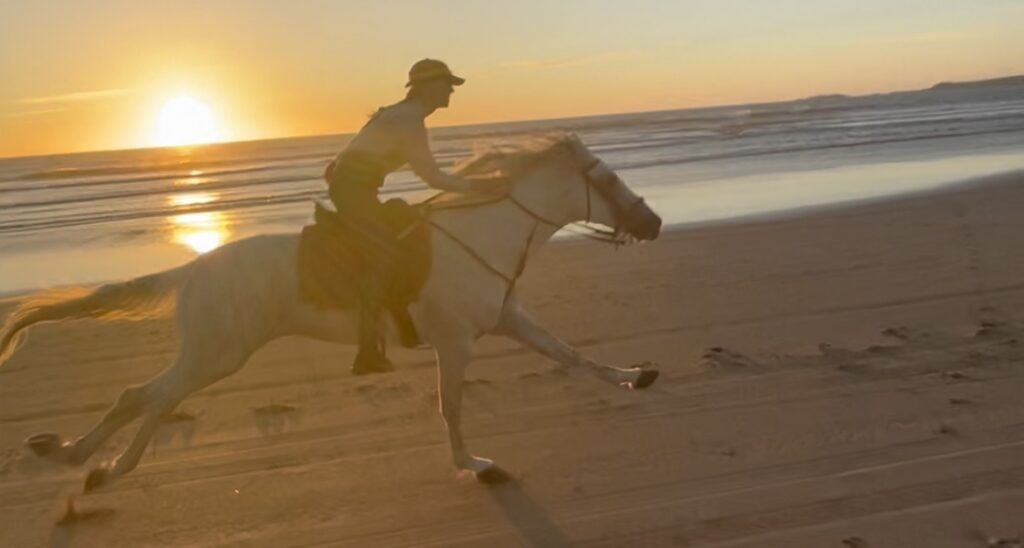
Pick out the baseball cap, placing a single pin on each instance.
(430, 69)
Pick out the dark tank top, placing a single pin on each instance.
(360, 169)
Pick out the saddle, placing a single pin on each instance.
(336, 255)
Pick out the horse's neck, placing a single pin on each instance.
(547, 214)
(502, 233)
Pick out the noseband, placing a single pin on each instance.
(622, 214)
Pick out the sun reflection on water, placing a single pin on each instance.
(200, 231)
(194, 198)
(194, 178)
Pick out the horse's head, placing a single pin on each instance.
(562, 182)
(606, 199)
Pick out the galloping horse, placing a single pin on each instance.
(232, 301)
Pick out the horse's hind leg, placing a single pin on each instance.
(129, 405)
(198, 366)
(129, 459)
(191, 372)
(516, 323)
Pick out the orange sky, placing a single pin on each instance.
(96, 75)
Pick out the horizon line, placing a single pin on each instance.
(527, 120)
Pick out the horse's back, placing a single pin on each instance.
(249, 281)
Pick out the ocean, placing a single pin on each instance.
(90, 217)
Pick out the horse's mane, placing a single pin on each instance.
(514, 159)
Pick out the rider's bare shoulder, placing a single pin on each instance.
(402, 117)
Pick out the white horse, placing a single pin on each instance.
(233, 300)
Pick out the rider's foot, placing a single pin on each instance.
(367, 363)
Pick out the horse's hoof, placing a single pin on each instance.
(96, 478)
(646, 378)
(45, 444)
(493, 475)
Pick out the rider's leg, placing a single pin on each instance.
(359, 204)
(371, 357)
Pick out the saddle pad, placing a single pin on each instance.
(335, 255)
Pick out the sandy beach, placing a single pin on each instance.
(849, 377)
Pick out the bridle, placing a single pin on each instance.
(615, 236)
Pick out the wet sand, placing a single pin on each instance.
(850, 377)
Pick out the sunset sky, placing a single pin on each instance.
(110, 74)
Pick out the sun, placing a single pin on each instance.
(185, 120)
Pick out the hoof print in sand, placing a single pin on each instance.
(997, 330)
(885, 350)
(1001, 542)
(718, 448)
(719, 357)
(988, 330)
(842, 358)
(557, 371)
(179, 425)
(946, 430)
(275, 418)
(901, 333)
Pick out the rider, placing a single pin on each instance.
(394, 136)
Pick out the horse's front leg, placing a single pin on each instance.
(516, 323)
(452, 359)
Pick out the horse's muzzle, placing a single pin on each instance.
(644, 223)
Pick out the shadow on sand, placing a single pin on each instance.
(534, 526)
(64, 530)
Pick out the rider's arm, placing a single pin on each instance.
(422, 162)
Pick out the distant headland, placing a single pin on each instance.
(990, 83)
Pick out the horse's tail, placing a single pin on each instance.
(145, 297)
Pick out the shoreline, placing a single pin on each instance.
(839, 207)
(968, 185)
